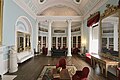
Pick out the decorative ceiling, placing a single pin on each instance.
(60, 7)
(73, 8)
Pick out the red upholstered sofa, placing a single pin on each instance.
(88, 58)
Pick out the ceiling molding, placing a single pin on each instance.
(22, 5)
(48, 5)
(95, 8)
(59, 18)
(59, 10)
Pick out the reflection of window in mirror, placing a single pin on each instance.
(23, 42)
(20, 41)
(27, 41)
(110, 31)
(104, 42)
(1, 17)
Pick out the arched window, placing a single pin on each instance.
(77, 1)
(41, 1)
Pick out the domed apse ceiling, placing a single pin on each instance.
(59, 10)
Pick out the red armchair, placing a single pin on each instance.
(62, 63)
(81, 75)
(44, 50)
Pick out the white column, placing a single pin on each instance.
(41, 42)
(49, 38)
(36, 43)
(76, 41)
(69, 38)
(115, 36)
(56, 42)
(61, 42)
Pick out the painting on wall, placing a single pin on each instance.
(59, 31)
(43, 29)
(75, 29)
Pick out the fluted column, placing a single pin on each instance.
(36, 41)
(49, 38)
(115, 36)
(69, 38)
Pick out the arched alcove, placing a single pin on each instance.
(23, 38)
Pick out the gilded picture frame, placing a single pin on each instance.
(1, 20)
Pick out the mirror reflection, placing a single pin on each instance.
(110, 34)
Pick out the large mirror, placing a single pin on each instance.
(23, 42)
(1, 20)
(110, 31)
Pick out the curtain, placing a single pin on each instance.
(94, 18)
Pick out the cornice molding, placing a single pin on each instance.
(23, 6)
(59, 18)
(95, 8)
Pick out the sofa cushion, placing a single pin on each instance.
(23, 56)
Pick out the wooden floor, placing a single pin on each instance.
(31, 69)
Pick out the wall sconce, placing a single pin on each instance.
(84, 43)
(84, 46)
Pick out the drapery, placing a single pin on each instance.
(94, 18)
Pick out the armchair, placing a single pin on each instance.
(81, 75)
(62, 63)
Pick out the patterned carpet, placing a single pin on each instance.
(71, 69)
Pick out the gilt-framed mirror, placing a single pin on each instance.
(110, 30)
(1, 20)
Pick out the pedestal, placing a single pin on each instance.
(13, 66)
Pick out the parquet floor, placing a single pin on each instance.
(30, 70)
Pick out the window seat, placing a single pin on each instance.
(23, 56)
(88, 58)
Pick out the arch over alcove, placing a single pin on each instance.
(23, 28)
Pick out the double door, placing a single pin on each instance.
(59, 42)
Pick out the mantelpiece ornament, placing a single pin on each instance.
(110, 10)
